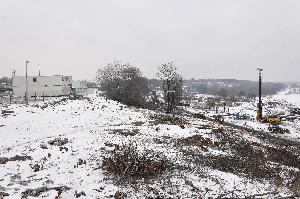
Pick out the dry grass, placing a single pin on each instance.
(126, 163)
(3, 160)
(283, 156)
(168, 119)
(295, 185)
(125, 132)
(137, 123)
(198, 141)
(246, 160)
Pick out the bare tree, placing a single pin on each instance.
(171, 84)
(123, 82)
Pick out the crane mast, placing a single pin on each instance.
(259, 105)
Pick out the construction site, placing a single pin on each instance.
(145, 99)
(92, 147)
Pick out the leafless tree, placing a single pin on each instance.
(123, 82)
(171, 84)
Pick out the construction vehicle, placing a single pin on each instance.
(259, 105)
(219, 119)
(273, 119)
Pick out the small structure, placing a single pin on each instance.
(57, 85)
(80, 87)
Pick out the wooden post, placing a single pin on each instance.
(10, 96)
(43, 97)
(35, 95)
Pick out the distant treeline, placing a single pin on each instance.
(226, 87)
(5, 81)
(232, 87)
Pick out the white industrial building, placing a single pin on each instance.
(57, 85)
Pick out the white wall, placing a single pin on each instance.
(44, 85)
(81, 87)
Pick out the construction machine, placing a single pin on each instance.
(259, 105)
(273, 119)
(219, 119)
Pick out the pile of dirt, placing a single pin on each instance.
(58, 141)
(197, 140)
(38, 191)
(168, 119)
(4, 160)
(3, 194)
(125, 132)
(5, 113)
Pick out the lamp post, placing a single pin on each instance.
(26, 94)
(13, 73)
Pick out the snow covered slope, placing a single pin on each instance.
(89, 127)
(286, 95)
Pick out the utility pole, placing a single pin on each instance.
(26, 94)
(259, 105)
(13, 73)
(12, 81)
(39, 70)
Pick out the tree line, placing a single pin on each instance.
(125, 83)
(232, 88)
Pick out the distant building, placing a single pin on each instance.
(57, 85)
(81, 87)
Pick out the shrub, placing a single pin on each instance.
(123, 83)
(126, 163)
(172, 85)
(198, 141)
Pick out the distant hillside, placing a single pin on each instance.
(226, 87)
(232, 87)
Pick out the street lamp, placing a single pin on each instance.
(26, 94)
(13, 73)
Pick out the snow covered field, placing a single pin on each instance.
(281, 104)
(92, 126)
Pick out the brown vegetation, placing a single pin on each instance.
(196, 140)
(125, 132)
(168, 119)
(126, 162)
(3, 160)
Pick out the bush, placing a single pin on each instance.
(172, 85)
(126, 163)
(123, 83)
(198, 141)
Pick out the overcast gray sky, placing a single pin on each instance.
(204, 38)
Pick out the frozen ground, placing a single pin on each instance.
(282, 103)
(289, 97)
(93, 126)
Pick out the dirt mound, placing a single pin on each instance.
(3, 160)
